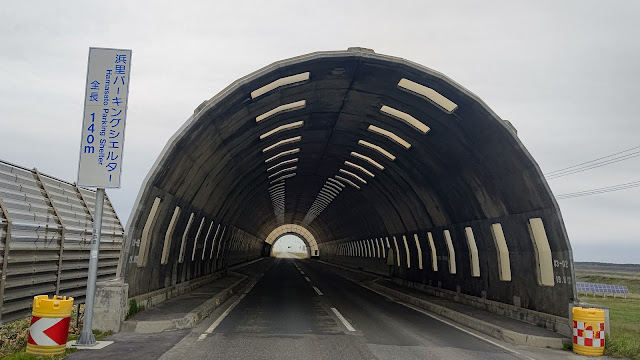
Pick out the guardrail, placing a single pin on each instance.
(45, 234)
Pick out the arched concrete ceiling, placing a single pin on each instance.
(469, 165)
(282, 230)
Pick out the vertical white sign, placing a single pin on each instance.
(103, 124)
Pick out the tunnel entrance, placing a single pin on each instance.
(357, 153)
(290, 247)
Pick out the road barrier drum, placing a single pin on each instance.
(588, 331)
(49, 325)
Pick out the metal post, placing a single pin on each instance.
(86, 337)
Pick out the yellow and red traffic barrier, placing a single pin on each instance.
(49, 325)
(588, 331)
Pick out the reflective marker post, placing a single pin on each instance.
(86, 336)
(101, 149)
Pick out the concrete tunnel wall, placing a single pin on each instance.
(354, 146)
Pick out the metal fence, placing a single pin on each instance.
(45, 234)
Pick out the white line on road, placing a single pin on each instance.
(344, 321)
(224, 314)
(301, 272)
(317, 290)
(446, 322)
(306, 278)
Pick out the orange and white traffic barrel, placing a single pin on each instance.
(49, 325)
(588, 331)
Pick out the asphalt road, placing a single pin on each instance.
(299, 310)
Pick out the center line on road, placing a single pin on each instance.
(301, 272)
(306, 278)
(317, 290)
(344, 321)
(224, 314)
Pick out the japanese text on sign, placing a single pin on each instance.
(103, 125)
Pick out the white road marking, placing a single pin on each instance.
(447, 322)
(301, 272)
(317, 290)
(344, 321)
(224, 314)
(306, 278)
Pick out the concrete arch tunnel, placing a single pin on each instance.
(299, 231)
(372, 157)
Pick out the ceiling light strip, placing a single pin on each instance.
(284, 153)
(435, 97)
(367, 159)
(389, 135)
(356, 166)
(347, 181)
(377, 148)
(282, 142)
(291, 126)
(288, 80)
(282, 109)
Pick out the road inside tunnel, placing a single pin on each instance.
(300, 309)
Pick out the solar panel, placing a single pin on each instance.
(601, 288)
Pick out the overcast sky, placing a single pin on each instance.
(565, 73)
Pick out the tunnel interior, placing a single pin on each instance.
(376, 162)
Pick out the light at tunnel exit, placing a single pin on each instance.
(289, 246)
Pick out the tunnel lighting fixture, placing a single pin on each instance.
(275, 186)
(290, 161)
(353, 175)
(349, 163)
(284, 153)
(348, 182)
(428, 93)
(282, 142)
(473, 252)
(284, 177)
(282, 109)
(333, 186)
(377, 148)
(291, 126)
(288, 80)
(504, 264)
(323, 201)
(326, 196)
(276, 194)
(406, 118)
(334, 181)
(330, 191)
(367, 159)
(389, 135)
(282, 171)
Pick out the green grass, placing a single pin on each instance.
(21, 354)
(624, 313)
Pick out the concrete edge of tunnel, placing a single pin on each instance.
(191, 318)
(481, 326)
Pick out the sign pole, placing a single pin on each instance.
(86, 337)
(101, 149)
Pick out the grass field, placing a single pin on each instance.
(624, 313)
